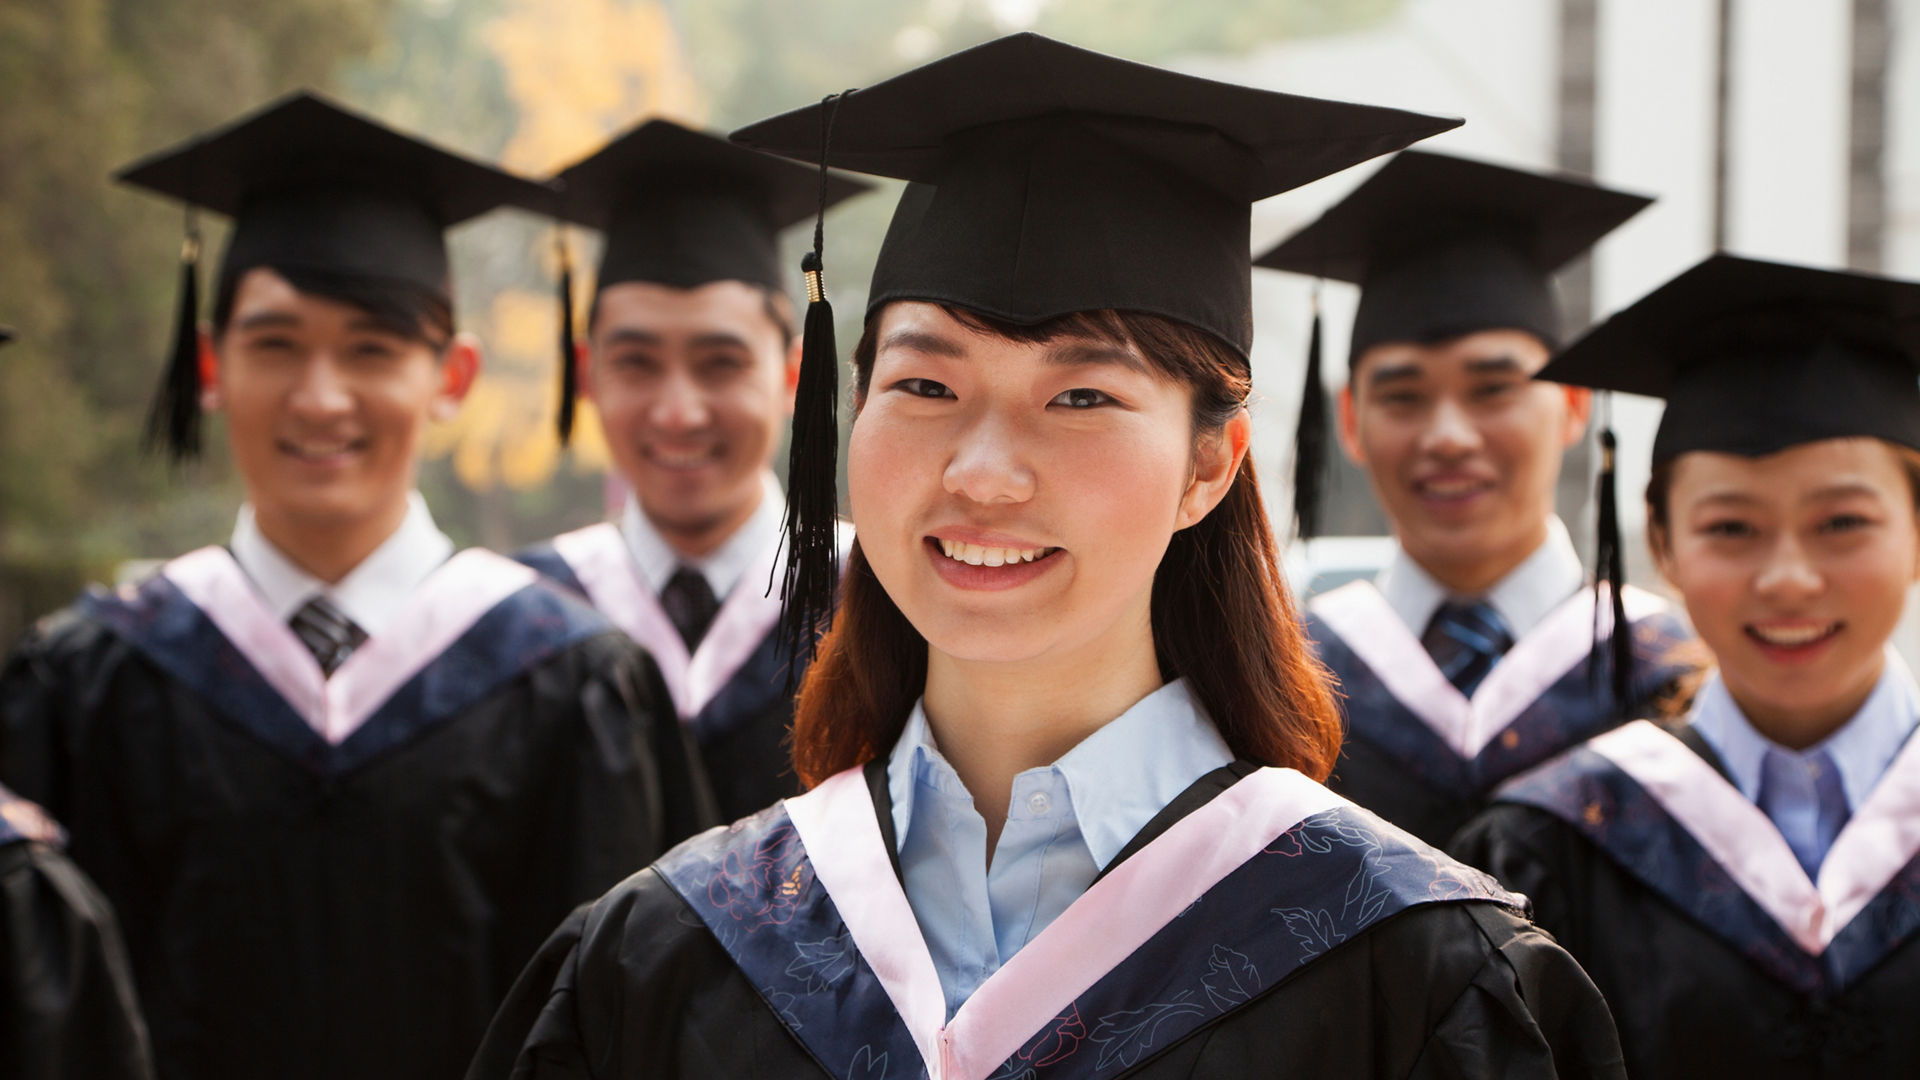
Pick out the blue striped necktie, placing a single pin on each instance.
(1465, 641)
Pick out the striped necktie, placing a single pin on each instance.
(327, 633)
(1465, 641)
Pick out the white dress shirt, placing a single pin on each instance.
(1542, 582)
(372, 593)
(726, 564)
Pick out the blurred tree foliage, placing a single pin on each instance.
(88, 269)
(89, 272)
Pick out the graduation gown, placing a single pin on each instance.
(1260, 925)
(1427, 758)
(67, 1004)
(329, 877)
(1689, 909)
(732, 692)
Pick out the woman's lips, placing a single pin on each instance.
(987, 568)
(1793, 642)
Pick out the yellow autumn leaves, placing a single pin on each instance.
(577, 72)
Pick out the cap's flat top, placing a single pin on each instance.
(660, 155)
(901, 127)
(304, 140)
(1549, 217)
(1642, 348)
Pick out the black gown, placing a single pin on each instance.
(1427, 759)
(1689, 910)
(1337, 946)
(330, 877)
(732, 693)
(67, 1004)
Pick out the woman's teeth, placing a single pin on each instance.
(975, 555)
(1790, 636)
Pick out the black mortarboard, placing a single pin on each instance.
(1046, 180)
(683, 208)
(311, 185)
(1752, 358)
(1441, 246)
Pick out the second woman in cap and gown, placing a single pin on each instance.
(1063, 736)
(1744, 883)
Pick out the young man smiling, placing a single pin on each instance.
(1465, 661)
(691, 360)
(339, 779)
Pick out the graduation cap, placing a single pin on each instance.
(1755, 357)
(1440, 246)
(683, 208)
(1045, 179)
(311, 185)
(1752, 358)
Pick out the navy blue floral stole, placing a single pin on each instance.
(1265, 878)
(479, 621)
(1668, 818)
(1537, 701)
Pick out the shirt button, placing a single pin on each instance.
(1038, 804)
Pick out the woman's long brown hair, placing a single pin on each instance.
(1222, 617)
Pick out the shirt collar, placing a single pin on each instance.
(1118, 778)
(372, 593)
(725, 565)
(1861, 749)
(1523, 597)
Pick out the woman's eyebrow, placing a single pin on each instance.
(1084, 353)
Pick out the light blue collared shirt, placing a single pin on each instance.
(1860, 751)
(1065, 822)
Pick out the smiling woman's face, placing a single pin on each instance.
(1014, 499)
(1794, 568)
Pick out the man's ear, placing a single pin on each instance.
(1349, 428)
(1216, 462)
(458, 369)
(208, 360)
(1579, 411)
(793, 370)
(583, 369)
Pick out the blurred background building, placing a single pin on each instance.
(1778, 128)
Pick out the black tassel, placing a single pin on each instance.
(813, 498)
(173, 422)
(1310, 440)
(569, 376)
(1610, 566)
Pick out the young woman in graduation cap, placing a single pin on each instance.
(1742, 883)
(1063, 735)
